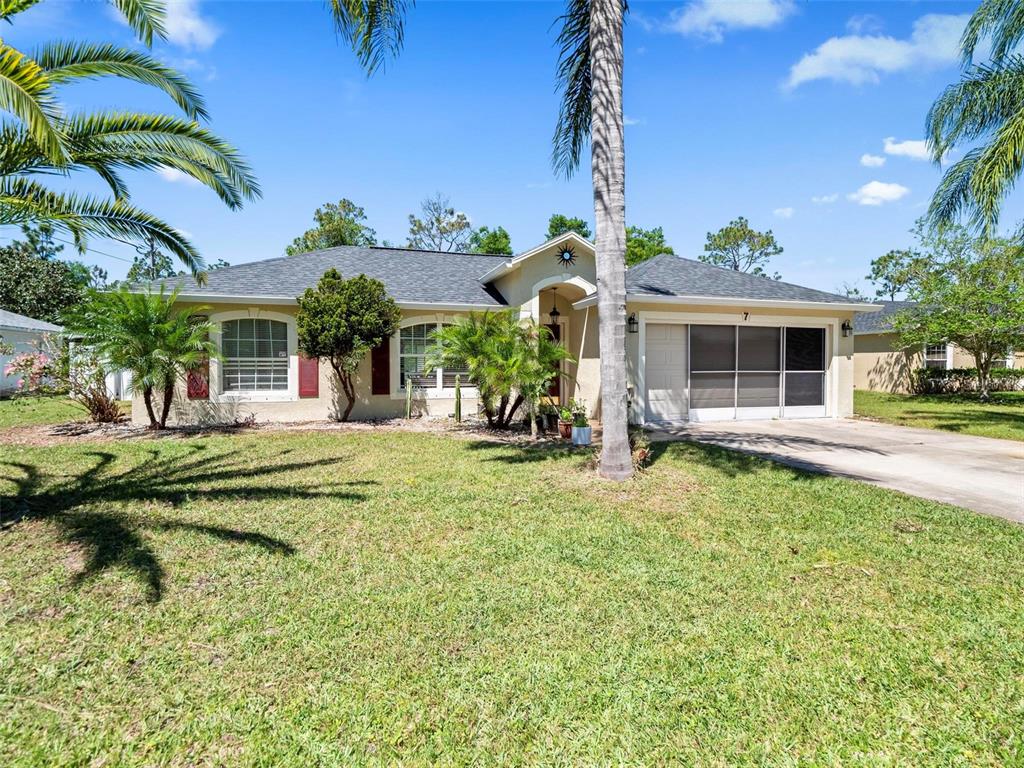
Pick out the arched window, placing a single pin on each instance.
(255, 355)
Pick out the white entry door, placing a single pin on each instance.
(665, 372)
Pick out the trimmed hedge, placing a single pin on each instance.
(941, 381)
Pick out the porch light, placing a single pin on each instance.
(554, 314)
(632, 324)
(847, 329)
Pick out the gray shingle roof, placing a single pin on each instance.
(409, 276)
(668, 275)
(22, 323)
(879, 322)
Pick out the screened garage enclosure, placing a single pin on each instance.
(715, 372)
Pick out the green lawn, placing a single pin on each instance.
(1002, 417)
(30, 411)
(323, 599)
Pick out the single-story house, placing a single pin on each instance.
(703, 342)
(881, 364)
(23, 334)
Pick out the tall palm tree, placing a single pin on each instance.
(45, 141)
(590, 77)
(985, 109)
(146, 334)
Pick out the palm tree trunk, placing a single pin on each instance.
(168, 399)
(147, 398)
(608, 167)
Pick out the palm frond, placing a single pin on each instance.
(140, 141)
(996, 171)
(985, 97)
(25, 93)
(573, 128)
(952, 197)
(24, 200)
(145, 17)
(9, 8)
(1002, 21)
(65, 61)
(375, 29)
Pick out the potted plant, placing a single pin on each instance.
(565, 422)
(581, 430)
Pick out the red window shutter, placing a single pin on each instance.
(380, 368)
(198, 382)
(309, 377)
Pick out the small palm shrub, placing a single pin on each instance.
(510, 362)
(144, 333)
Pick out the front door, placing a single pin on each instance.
(555, 387)
(665, 375)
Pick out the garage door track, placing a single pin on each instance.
(978, 473)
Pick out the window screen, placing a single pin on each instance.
(805, 388)
(759, 349)
(758, 390)
(805, 349)
(712, 390)
(712, 348)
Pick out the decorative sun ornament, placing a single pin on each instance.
(566, 256)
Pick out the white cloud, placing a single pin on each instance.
(872, 161)
(711, 19)
(784, 213)
(627, 120)
(857, 59)
(825, 199)
(864, 23)
(187, 28)
(175, 176)
(877, 193)
(916, 149)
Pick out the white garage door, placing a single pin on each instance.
(665, 374)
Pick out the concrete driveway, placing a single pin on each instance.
(978, 473)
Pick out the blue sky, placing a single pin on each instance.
(773, 110)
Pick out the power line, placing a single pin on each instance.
(94, 250)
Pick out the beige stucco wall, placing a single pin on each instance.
(325, 406)
(880, 366)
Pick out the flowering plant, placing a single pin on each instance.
(32, 367)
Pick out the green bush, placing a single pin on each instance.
(941, 381)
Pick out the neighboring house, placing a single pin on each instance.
(703, 342)
(881, 364)
(25, 334)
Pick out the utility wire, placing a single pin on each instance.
(94, 250)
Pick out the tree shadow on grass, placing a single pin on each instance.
(733, 462)
(524, 453)
(113, 539)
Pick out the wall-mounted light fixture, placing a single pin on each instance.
(847, 329)
(633, 324)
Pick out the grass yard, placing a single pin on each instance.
(310, 599)
(32, 411)
(1002, 417)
